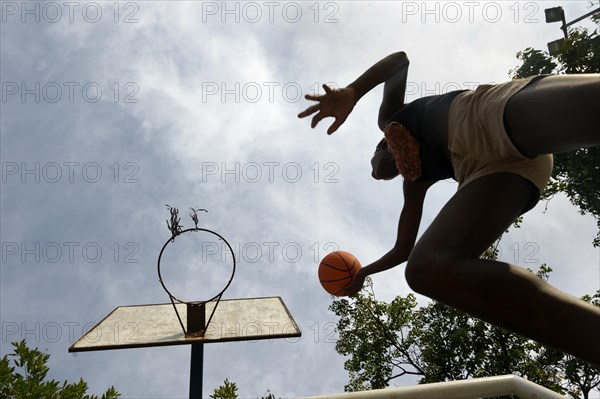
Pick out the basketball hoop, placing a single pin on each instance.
(196, 310)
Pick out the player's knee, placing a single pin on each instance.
(425, 273)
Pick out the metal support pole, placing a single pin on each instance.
(196, 371)
(196, 326)
(589, 14)
(564, 24)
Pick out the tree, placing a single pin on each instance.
(577, 174)
(229, 391)
(226, 391)
(27, 378)
(581, 377)
(438, 343)
(385, 342)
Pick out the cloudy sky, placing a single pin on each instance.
(111, 110)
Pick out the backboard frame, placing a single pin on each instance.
(124, 328)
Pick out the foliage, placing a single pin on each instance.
(377, 336)
(439, 343)
(229, 391)
(384, 342)
(26, 379)
(226, 391)
(535, 62)
(577, 174)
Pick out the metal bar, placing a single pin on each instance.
(196, 371)
(465, 389)
(580, 18)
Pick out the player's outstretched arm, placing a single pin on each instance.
(393, 70)
(339, 103)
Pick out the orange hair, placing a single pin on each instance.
(405, 149)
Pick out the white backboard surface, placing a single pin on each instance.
(157, 325)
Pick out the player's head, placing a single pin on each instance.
(383, 163)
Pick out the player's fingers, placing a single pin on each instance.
(308, 111)
(327, 89)
(335, 125)
(314, 97)
(348, 291)
(316, 119)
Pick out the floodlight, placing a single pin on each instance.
(556, 14)
(555, 46)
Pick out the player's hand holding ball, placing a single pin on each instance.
(358, 280)
(340, 274)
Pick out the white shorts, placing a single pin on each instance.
(478, 142)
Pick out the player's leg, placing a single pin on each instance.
(558, 113)
(445, 266)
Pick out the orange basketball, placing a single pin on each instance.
(337, 270)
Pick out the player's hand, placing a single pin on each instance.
(356, 284)
(337, 103)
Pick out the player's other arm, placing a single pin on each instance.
(408, 227)
(339, 103)
(393, 70)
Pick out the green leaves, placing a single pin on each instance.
(581, 52)
(534, 62)
(226, 391)
(229, 391)
(384, 342)
(575, 174)
(374, 335)
(26, 379)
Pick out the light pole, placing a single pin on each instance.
(557, 14)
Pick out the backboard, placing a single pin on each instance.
(157, 325)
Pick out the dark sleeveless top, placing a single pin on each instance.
(427, 121)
